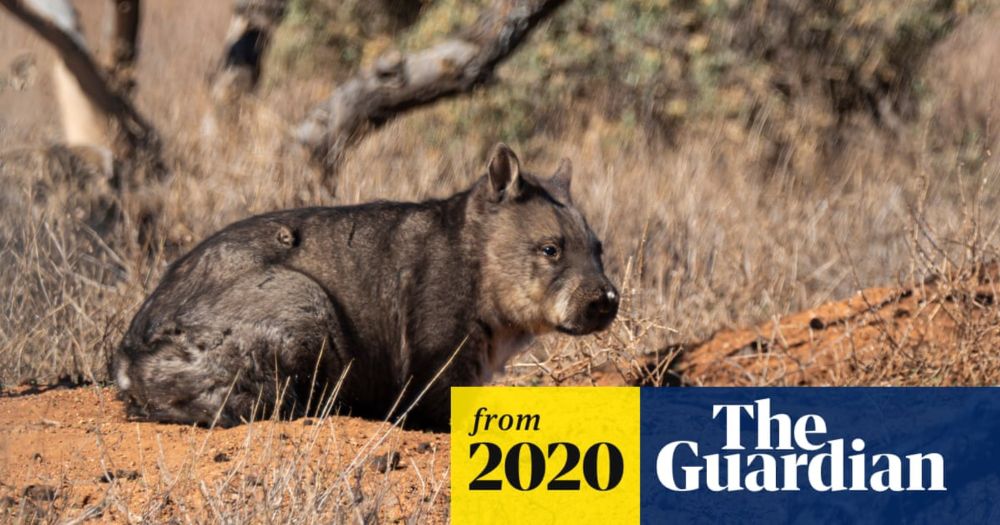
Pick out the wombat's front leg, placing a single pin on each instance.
(468, 368)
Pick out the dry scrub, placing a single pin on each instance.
(703, 231)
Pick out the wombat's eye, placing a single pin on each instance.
(550, 250)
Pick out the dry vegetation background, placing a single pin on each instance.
(741, 160)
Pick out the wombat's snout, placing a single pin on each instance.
(602, 308)
(590, 307)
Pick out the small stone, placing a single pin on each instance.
(252, 480)
(108, 477)
(130, 475)
(40, 492)
(386, 462)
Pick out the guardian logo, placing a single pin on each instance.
(772, 455)
(790, 455)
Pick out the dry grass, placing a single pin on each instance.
(702, 233)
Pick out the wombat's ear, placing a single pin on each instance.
(504, 173)
(561, 178)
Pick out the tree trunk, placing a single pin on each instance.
(124, 50)
(249, 35)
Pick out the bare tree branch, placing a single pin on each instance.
(123, 50)
(56, 22)
(398, 82)
(249, 35)
(238, 72)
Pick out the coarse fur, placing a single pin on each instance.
(279, 306)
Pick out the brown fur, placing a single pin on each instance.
(390, 290)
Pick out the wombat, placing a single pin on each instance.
(272, 311)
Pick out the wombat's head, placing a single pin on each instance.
(541, 265)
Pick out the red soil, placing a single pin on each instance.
(933, 334)
(58, 449)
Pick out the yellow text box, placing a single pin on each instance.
(545, 455)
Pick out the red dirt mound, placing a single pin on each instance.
(71, 453)
(935, 334)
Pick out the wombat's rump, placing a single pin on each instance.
(271, 311)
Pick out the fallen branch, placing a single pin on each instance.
(398, 82)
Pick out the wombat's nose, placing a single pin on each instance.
(605, 305)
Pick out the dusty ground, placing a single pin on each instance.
(937, 333)
(71, 453)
